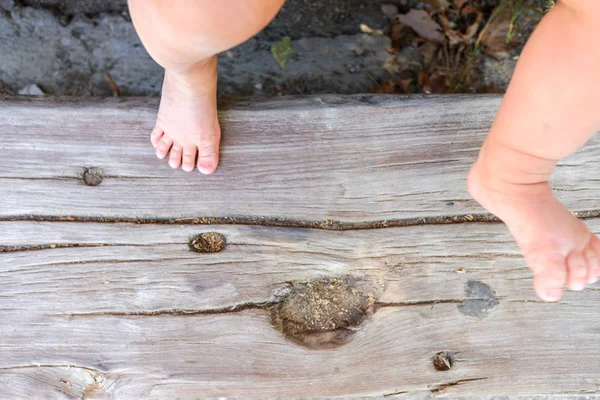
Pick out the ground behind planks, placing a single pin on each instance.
(101, 297)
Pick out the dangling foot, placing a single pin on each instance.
(557, 246)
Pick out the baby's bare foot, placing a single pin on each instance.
(557, 246)
(187, 126)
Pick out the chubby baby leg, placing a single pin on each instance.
(184, 37)
(549, 111)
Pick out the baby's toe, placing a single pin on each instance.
(175, 156)
(155, 136)
(208, 155)
(577, 271)
(593, 257)
(550, 277)
(163, 147)
(189, 158)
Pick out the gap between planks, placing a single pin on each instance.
(333, 225)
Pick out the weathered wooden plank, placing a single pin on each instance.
(150, 267)
(119, 310)
(156, 328)
(523, 348)
(350, 159)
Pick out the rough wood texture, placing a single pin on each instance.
(122, 310)
(353, 159)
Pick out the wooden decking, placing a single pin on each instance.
(354, 255)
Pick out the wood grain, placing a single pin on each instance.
(350, 159)
(116, 310)
(134, 313)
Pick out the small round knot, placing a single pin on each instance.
(92, 176)
(208, 242)
(443, 361)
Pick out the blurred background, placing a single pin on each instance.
(89, 47)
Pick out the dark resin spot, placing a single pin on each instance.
(443, 361)
(208, 242)
(92, 176)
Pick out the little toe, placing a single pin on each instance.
(577, 271)
(189, 158)
(163, 147)
(155, 136)
(175, 156)
(550, 277)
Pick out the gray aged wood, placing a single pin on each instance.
(124, 310)
(350, 159)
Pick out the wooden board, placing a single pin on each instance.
(109, 309)
(313, 161)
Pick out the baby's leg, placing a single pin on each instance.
(184, 37)
(549, 111)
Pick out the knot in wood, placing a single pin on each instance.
(443, 361)
(323, 313)
(92, 176)
(208, 242)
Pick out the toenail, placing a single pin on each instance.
(552, 294)
(92, 176)
(206, 168)
(577, 287)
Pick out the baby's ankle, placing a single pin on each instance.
(193, 79)
(502, 163)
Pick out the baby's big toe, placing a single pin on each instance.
(577, 271)
(550, 277)
(208, 155)
(592, 253)
(164, 146)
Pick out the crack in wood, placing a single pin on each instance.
(20, 248)
(444, 386)
(328, 224)
(236, 308)
(67, 366)
(419, 303)
(395, 394)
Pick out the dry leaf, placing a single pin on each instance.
(392, 65)
(433, 83)
(428, 52)
(472, 29)
(422, 23)
(398, 32)
(455, 36)
(395, 86)
(386, 87)
(364, 28)
(496, 34)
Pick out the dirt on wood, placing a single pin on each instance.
(208, 242)
(322, 313)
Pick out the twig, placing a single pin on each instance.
(113, 84)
